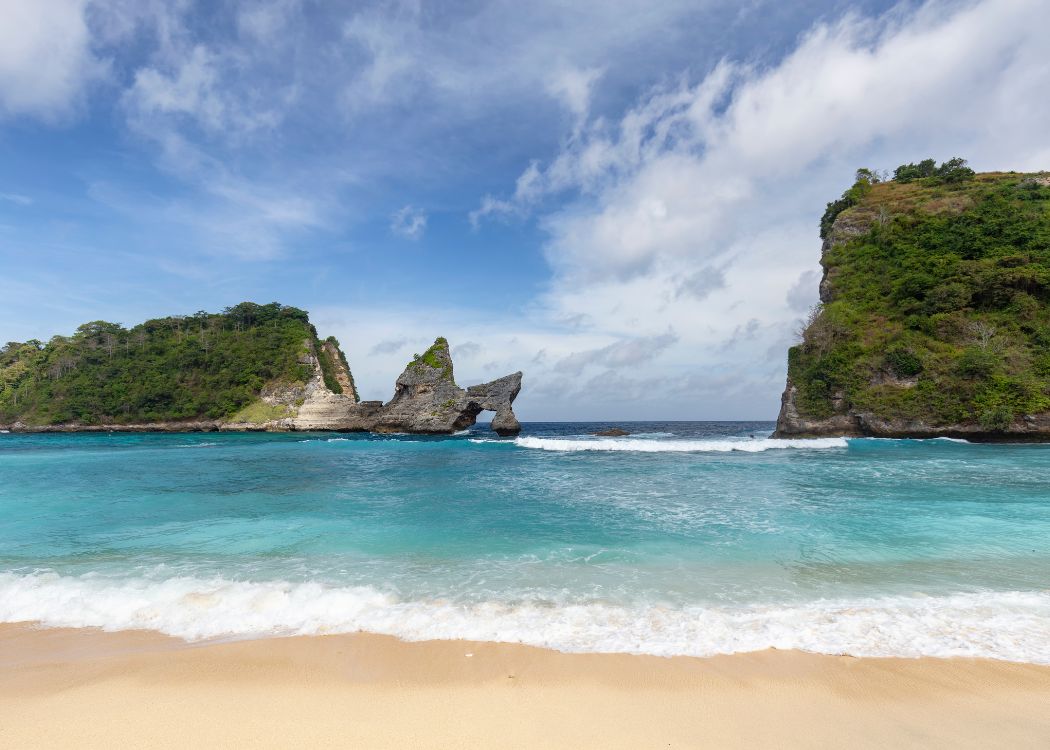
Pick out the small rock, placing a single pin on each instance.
(612, 432)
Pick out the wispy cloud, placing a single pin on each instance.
(16, 198)
(389, 346)
(625, 353)
(409, 222)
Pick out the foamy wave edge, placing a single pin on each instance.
(1013, 626)
(756, 445)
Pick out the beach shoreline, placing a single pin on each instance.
(88, 688)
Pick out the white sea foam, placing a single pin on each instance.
(723, 445)
(1000, 625)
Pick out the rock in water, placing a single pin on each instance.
(428, 401)
(612, 432)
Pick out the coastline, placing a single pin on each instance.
(87, 688)
(811, 431)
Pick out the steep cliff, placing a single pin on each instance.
(935, 310)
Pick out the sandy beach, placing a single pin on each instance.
(89, 689)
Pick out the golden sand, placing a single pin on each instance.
(86, 689)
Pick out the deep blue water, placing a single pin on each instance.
(689, 538)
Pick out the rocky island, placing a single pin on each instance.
(934, 315)
(250, 367)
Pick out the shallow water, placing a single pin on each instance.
(684, 538)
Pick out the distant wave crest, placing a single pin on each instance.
(1013, 626)
(722, 445)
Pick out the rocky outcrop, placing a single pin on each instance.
(427, 400)
(317, 407)
(340, 368)
(497, 396)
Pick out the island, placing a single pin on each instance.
(933, 318)
(250, 367)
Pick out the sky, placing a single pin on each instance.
(620, 199)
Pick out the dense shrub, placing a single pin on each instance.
(945, 274)
(976, 363)
(903, 362)
(953, 170)
(182, 367)
(909, 172)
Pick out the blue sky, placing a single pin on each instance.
(619, 199)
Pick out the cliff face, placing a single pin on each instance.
(935, 314)
(252, 367)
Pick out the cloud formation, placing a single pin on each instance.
(46, 58)
(409, 222)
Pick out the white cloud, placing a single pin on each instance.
(46, 59)
(190, 89)
(390, 42)
(16, 198)
(409, 222)
(267, 20)
(528, 189)
(803, 294)
(201, 107)
(573, 87)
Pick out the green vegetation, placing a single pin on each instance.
(260, 412)
(436, 357)
(328, 365)
(939, 299)
(333, 343)
(184, 367)
(951, 171)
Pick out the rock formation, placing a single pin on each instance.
(426, 401)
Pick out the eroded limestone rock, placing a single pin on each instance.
(426, 401)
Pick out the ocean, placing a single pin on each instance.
(692, 538)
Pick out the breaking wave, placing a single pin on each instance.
(1012, 626)
(756, 445)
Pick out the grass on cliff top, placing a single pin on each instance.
(941, 307)
(436, 357)
(260, 412)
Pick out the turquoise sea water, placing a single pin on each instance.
(685, 538)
